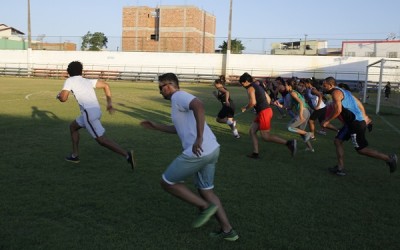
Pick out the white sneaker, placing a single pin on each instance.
(307, 137)
(236, 134)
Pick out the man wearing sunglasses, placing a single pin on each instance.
(198, 159)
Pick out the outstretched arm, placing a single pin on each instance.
(156, 126)
(107, 91)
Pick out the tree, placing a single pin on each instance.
(236, 46)
(94, 42)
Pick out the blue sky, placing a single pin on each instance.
(256, 22)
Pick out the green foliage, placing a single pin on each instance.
(236, 46)
(94, 42)
(277, 202)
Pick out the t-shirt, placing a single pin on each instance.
(185, 124)
(83, 90)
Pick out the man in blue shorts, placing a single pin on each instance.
(198, 159)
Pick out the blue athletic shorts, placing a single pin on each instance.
(201, 168)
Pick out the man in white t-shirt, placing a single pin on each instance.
(198, 159)
(85, 95)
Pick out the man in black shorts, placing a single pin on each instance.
(346, 106)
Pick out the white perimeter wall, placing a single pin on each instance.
(342, 68)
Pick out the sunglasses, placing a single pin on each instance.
(160, 87)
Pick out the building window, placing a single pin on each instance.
(391, 55)
(350, 54)
(370, 54)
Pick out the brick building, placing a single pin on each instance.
(168, 29)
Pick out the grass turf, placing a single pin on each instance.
(277, 202)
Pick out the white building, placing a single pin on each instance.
(311, 48)
(6, 31)
(385, 49)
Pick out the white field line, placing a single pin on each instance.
(29, 95)
(390, 125)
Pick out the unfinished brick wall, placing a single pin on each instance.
(182, 29)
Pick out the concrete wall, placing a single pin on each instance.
(342, 68)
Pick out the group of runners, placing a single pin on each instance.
(200, 146)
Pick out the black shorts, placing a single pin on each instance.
(356, 132)
(318, 114)
(226, 111)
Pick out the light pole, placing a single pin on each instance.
(28, 51)
(228, 44)
(228, 47)
(29, 24)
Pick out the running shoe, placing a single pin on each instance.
(236, 134)
(310, 150)
(392, 163)
(335, 170)
(253, 156)
(229, 236)
(321, 132)
(307, 136)
(131, 160)
(204, 216)
(72, 159)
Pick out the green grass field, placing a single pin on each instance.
(277, 202)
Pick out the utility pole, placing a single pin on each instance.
(305, 44)
(29, 50)
(29, 24)
(228, 45)
(228, 48)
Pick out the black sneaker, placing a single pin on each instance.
(131, 160)
(292, 145)
(335, 170)
(253, 156)
(72, 159)
(392, 163)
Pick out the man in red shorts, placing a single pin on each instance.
(260, 101)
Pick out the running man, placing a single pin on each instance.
(198, 159)
(346, 105)
(260, 101)
(85, 95)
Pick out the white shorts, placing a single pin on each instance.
(90, 119)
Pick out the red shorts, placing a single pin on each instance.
(264, 119)
(329, 111)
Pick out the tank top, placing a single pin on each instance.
(261, 100)
(295, 104)
(350, 110)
